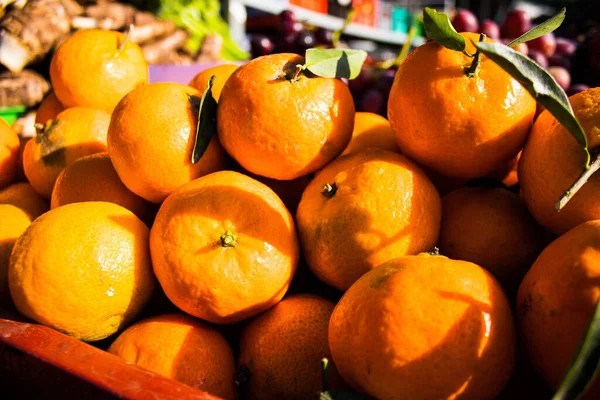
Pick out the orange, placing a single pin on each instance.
(492, 228)
(76, 132)
(48, 109)
(552, 160)
(282, 349)
(93, 178)
(182, 348)
(371, 130)
(424, 327)
(151, 138)
(557, 299)
(94, 68)
(14, 223)
(221, 72)
(508, 173)
(22, 195)
(456, 125)
(83, 269)
(280, 127)
(364, 209)
(9, 153)
(228, 240)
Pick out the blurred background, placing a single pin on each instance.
(182, 37)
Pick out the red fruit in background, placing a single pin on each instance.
(565, 46)
(560, 60)
(546, 44)
(288, 23)
(465, 21)
(305, 40)
(385, 81)
(490, 28)
(516, 23)
(324, 36)
(372, 101)
(362, 81)
(574, 89)
(261, 45)
(538, 57)
(562, 76)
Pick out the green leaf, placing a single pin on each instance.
(540, 84)
(334, 395)
(438, 28)
(585, 365)
(545, 27)
(207, 122)
(335, 63)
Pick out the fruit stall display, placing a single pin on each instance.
(259, 232)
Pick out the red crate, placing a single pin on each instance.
(40, 362)
(313, 5)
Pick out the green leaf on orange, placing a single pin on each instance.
(542, 29)
(540, 84)
(439, 29)
(585, 364)
(335, 63)
(207, 122)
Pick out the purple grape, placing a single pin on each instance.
(372, 101)
(286, 43)
(362, 81)
(560, 61)
(261, 45)
(287, 15)
(324, 36)
(578, 87)
(538, 57)
(385, 81)
(565, 46)
(304, 40)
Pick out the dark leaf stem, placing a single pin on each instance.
(581, 180)
(472, 70)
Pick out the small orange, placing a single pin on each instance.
(279, 126)
(557, 299)
(224, 247)
(93, 178)
(371, 130)
(453, 124)
(48, 109)
(424, 327)
(364, 209)
(95, 68)
(82, 269)
(14, 222)
(22, 195)
(9, 153)
(182, 348)
(552, 160)
(282, 349)
(491, 227)
(151, 138)
(76, 132)
(222, 72)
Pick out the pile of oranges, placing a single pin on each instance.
(421, 255)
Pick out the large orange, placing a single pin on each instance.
(22, 195)
(453, 124)
(90, 69)
(557, 299)
(282, 349)
(83, 269)
(224, 247)
(48, 109)
(151, 137)
(552, 160)
(364, 209)
(371, 130)
(182, 348)
(93, 178)
(9, 153)
(76, 132)
(14, 223)
(280, 127)
(221, 72)
(492, 228)
(424, 327)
